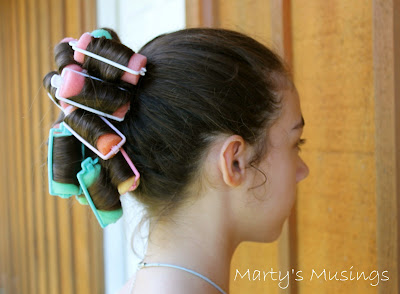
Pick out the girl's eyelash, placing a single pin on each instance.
(300, 143)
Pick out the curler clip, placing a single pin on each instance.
(134, 68)
(62, 190)
(70, 83)
(56, 81)
(132, 183)
(101, 33)
(86, 177)
(74, 45)
(109, 145)
(113, 149)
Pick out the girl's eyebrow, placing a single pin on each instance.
(300, 124)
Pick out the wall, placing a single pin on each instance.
(345, 61)
(343, 55)
(47, 245)
(134, 20)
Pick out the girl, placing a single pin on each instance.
(214, 129)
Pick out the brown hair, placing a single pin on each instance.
(199, 83)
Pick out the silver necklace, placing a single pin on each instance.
(144, 264)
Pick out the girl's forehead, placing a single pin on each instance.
(291, 115)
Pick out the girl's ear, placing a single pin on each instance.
(232, 160)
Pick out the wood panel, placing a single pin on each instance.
(201, 13)
(47, 245)
(336, 206)
(247, 16)
(48, 26)
(281, 28)
(347, 212)
(18, 149)
(387, 119)
(9, 281)
(252, 18)
(4, 228)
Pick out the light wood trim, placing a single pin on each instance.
(16, 222)
(89, 16)
(28, 195)
(192, 13)
(6, 242)
(282, 40)
(386, 25)
(47, 25)
(32, 70)
(201, 13)
(7, 175)
(3, 211)
(281, 28)
(64, 230)
(19, 181)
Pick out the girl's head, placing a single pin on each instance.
(205, 92)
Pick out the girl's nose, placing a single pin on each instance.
(302, 171)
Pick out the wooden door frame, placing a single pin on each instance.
(386, 55)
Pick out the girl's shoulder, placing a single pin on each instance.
(128, 287)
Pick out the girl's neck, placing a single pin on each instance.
(199, 241)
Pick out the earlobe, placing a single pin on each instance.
(232, 160)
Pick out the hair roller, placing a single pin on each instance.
(67, 157)
(106, 142)
(113, 51)
(82, 43)
(72, 82)
(136, 62)
(64, 54)
(47, 83)
(119, 172)
(104, 195)
(74, 85)
(89, 126)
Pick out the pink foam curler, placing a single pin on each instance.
(82, 43)
(67, 108)
(120, 112)
(136, 63)
(67, 40)
(64, 104)
(73, 82)
(133, 70)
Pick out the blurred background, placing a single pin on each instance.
(345, 60)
